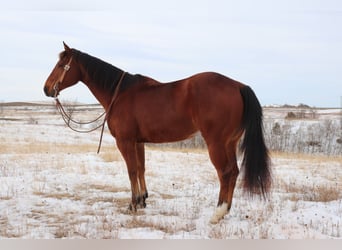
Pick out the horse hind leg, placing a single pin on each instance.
(232, 167)
(224, 160)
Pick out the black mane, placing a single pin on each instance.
(102, 73)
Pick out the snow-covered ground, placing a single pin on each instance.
(54, 185)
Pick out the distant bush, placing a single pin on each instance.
(1, 107)
(31, 120)
(316, 138)
(302, 114)
(276, 129)
(290, 115)
(302, 105)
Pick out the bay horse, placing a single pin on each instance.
(145, 110)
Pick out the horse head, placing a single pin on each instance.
(65, 73)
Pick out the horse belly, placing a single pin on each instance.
(163, 117)
(167, 129)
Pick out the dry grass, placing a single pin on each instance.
(107, 188)
(6, 171)
(325, 193)
(313, 167)
(48, 147)
(313, 158)
(111, 154)
(159, 225)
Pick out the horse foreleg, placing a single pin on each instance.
(128, 150)
(141, 174)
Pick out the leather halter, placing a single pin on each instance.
(61, 78)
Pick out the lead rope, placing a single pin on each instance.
(110, 108)
(67, 118)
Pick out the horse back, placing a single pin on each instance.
(156, 112)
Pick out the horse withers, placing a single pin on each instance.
(145, 110)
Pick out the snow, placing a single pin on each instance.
(54, 185)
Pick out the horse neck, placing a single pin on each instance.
(103, 95)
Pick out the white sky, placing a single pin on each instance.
(287, 51)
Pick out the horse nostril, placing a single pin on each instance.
(46, 91)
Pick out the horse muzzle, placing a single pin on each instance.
(51, 92)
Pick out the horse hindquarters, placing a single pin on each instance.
(218, 115)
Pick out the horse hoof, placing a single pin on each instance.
(220, 212)
(141, 200)
(132, 208)
(143, 204)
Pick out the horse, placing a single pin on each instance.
(142, 110)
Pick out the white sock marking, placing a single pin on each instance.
(220, 212)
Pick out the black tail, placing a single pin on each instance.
(256, 162)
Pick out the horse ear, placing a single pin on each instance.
(66, 47)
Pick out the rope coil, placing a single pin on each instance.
(67, 118)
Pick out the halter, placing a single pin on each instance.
(67, 118)
(61, 78)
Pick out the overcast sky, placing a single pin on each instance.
(287, 51)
